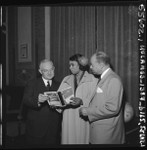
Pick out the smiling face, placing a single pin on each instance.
(47, 70)
(95, 66)
(74, 67)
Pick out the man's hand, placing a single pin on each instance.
(83, 111)
(75, 101)
(42, 98)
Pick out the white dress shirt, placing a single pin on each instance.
(45, 81)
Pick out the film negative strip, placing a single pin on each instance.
(142, 73)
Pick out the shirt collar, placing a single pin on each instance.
(86, 78)
(102, 75)
(45, 81)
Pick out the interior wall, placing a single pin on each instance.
(24, 55)
(25, 49)
(26, 43)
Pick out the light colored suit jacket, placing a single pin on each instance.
(105, 111)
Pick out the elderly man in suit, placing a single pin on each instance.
(105, 111)
(43, 123)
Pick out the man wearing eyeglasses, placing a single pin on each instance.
(43, 123)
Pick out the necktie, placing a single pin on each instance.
(48, 84)
(99, 79)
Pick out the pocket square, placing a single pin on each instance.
(99, 90)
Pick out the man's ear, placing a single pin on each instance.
(40, 71)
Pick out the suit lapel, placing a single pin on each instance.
(100, 83)
(53, 86)
(94, 91)
(41, 83)
(70, 81)
(105, 77)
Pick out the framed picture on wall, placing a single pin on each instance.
(23, 51)
(24, 55)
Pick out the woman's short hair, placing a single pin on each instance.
(81, 60)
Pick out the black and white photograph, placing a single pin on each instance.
(54, 99)
(93, 53)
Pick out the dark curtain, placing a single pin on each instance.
(86, 29)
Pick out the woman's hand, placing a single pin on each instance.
(76, 101)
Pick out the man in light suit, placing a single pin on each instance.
(105, 111)
(43, 123)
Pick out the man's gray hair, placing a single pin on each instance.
(44, 61)
(102, 57)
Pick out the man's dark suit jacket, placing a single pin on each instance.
(41, 119)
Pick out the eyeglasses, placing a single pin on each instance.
(50, 70)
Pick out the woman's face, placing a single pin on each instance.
(74, 67)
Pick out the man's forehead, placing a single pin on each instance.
(47, 65)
